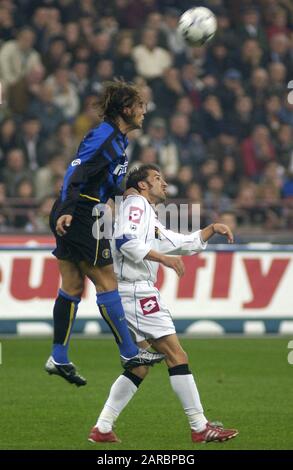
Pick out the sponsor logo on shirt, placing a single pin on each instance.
(120, 169)
(135, 214)
(149, 305)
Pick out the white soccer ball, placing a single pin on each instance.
(197, 26)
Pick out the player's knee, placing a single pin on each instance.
(106, 283)
(140, 371)
(75, 289)
(177, 357)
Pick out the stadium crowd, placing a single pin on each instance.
(219, 119)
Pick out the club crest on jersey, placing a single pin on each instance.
(135, 214)
(106, 253)
(75, 162)
(149, 305)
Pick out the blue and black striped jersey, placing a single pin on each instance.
(98, 168)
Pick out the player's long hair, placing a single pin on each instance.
(116, 96)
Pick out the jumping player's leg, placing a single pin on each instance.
(111, 309)
(64, 313)
(110, 306)
(65, 308)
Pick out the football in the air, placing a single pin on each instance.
(197, 26)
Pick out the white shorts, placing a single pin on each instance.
(147, 316)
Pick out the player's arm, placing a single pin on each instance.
(88, 162)
(180, 244)
(221, 229)
(173, 262)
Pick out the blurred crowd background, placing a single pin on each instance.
(219, 119)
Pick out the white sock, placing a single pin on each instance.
(185, 388)
(121, 393)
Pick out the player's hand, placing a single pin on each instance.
(174, 262)
(223, 229)
(63, 223)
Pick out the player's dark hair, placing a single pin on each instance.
(116, 96)
(140, 174)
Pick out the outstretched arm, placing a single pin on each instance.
(221, 229)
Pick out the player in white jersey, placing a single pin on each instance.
(140, 242)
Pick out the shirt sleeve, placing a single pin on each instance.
(179, 244)
(132, 227)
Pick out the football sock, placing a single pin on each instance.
(121, 393)
(183, 384)
(111, 309)
(64, 313)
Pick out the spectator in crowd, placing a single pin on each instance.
(30, 141)
(25, 207)
(167, 155)
(251, 27)
(87, 119)
(251, 57)
(184, 179)
(65, 95)
(242, 117)
(17, 57)
(41, 219)
(46, 177)
(277, 78)
(63, 142)
(79, 78)
(174, 40)
(123, 62)
(168, 90)
(15, 171)
(8, 139)
(150, 59)
(215, 198)
(212, 119)
(50, 115)
(248, 210)
(103, 72)
(257, 150)
(284, 146)
(228, 218)
(190, 147)
(5, 211)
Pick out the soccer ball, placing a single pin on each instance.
(197, 26)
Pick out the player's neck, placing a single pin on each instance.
(148, 197)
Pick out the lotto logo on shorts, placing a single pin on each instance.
(135, 214)
(149, 305)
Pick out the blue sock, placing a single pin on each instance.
(64, 314)
(111, 309)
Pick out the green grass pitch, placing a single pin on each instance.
(246, 383)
